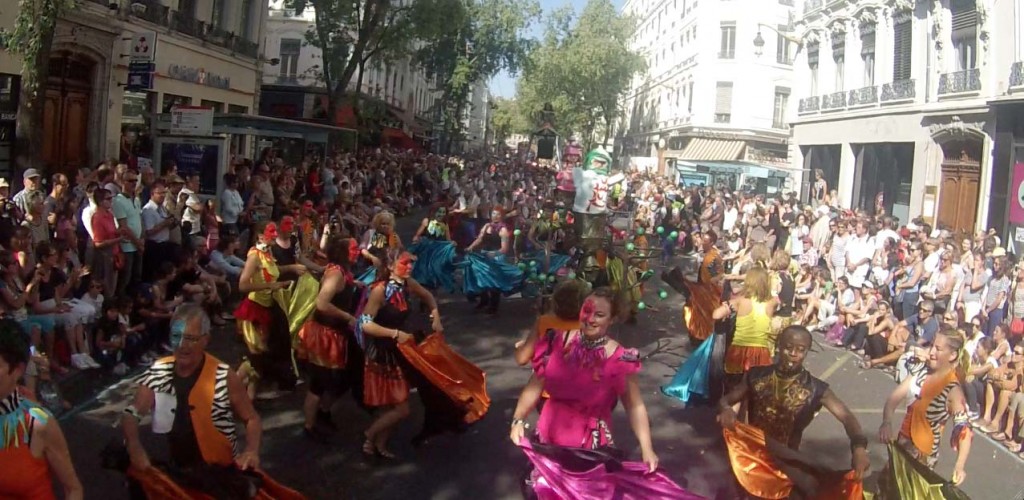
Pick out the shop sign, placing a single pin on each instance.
(1017, 191)
(140, 76)
(10, 88)
(198, 76)
(191, 120)
(143, 49)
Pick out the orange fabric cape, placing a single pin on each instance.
(755, 470)
(462, 381)
(159, 486)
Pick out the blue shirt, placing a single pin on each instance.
(131, 211)
(922, 333)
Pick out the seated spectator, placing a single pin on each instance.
(117, 347)
(982, 365)
(53, 299)
(1015, 413)
(225, 260)
(910, 339)
(16, 297)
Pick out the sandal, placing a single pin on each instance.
(1001, 437)
(1013, 447)
(385, 454)
(864, 363)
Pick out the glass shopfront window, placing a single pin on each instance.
(883, 178)
(136, 144)
(824, 157)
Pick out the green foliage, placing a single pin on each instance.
(507, 119)
(582, 69)
(32, 35)
(468, 41)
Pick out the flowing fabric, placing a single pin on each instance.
(567, 473)
(157, 485)
(299, 302)
(693, 377)
(761, 466)
(551, 263)
(481, 273)
(369, 276)
(464, 383)
(704, 298)
(907, 477)
(434, 268)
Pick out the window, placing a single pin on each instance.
(902, 46)
(290, 49)
(783, 47)
(812, 65)
(867, 53)
(781, 104)
(839, 56)
(217, 107)
(965, 33)
(689, 96)
(728, 48)
(723, 102)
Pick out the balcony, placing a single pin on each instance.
(1017, 74)
(809, 105)
(960, 82)
(810, 5)
(835, 100)
(788, 3)
(187, 24)
(900, 90)
(727, 54)
(863, 96)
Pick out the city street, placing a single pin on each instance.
(482, 463)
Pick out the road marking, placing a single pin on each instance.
(835, 366)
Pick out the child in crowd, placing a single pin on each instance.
(118, 346)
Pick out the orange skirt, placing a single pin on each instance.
(322, 345)
(384, 385)
(464, 383)
(739, 359)
(159, 486)
(704, 298)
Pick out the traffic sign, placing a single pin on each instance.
(143, 48)
(191, 120)
(140, 76)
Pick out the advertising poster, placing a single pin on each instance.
(194, 158)
(1017, 194)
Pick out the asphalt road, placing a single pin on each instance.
(482, 463)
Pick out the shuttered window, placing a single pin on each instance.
(965, 33)
(812, 54)
(723, 102)
(902, 46)
(867, 53)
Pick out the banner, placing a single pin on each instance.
(1017, 195)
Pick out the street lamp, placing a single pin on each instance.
(759, 40)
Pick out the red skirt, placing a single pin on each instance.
(739, 359)
(252, 312)
(384, 385)
(322, 345)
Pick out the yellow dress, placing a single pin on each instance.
(253, 314)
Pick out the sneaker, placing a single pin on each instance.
(120, 369)
(78, 362)
(91, 363)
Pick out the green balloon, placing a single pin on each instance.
(543, 277)
(661, 230)
(640, 231)
(630, 247)
(522, 266)
(674, 235)
(572, 275)
(663, 294)
(551, 278)
(641, 306)
(533, 263)
(517, 232)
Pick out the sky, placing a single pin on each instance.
(504, 85)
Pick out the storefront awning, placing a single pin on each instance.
(398, 138)
(742, 167)
(264, 126)
(700, 149)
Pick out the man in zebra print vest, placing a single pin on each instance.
(193, 398)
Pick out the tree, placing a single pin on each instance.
(582, 70)
(351, 33)
(471, 41)
(507, 119)
(31, 39)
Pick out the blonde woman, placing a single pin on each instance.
(380, 239)
(754, 309)
(784, 291)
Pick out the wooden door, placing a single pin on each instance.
(958, 197)
(66, 130)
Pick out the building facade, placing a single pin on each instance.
(710, 94)
(477, 121)
(910, 108)
(293, 87)
(205, 54)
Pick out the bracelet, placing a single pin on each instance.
(517, 421)
(396, 334)
(858, 441)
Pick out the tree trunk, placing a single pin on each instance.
(29, 128)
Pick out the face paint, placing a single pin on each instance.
(440, 214)
(287, 225)
(177, 333)
(587, 311)
(353, 250)
(403, 267)
(270, 232)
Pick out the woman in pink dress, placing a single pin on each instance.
(584, 374)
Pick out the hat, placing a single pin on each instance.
(999, 252)
(823, 209)
(175, 179)
(30, 173)
(4, 183)
(868, 284)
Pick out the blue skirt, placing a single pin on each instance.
(557, 261)
(434, 266)
(482, 273)
(368, 276)
(693, 377)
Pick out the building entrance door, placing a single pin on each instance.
(66, 114)
(960, 187)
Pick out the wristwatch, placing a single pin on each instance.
(517, 421)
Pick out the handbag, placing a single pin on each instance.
(1017, 327)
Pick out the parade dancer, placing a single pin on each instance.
(937, 397)
(782, 400)
(585, 373)
(324, 342)
(435, 252)
(705, 294)
(32, 446)
(378, 241)
(261, 317)
(379, 328)
(489, 275)
(590, 206)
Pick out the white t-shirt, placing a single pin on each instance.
(858, 249)
(87, 213)
(190, 215)
(729, 219)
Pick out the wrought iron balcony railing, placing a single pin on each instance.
(862, 96)
(968, 80)
(1017, 74)
(809, 104)
(835, 100)
(899, 90)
